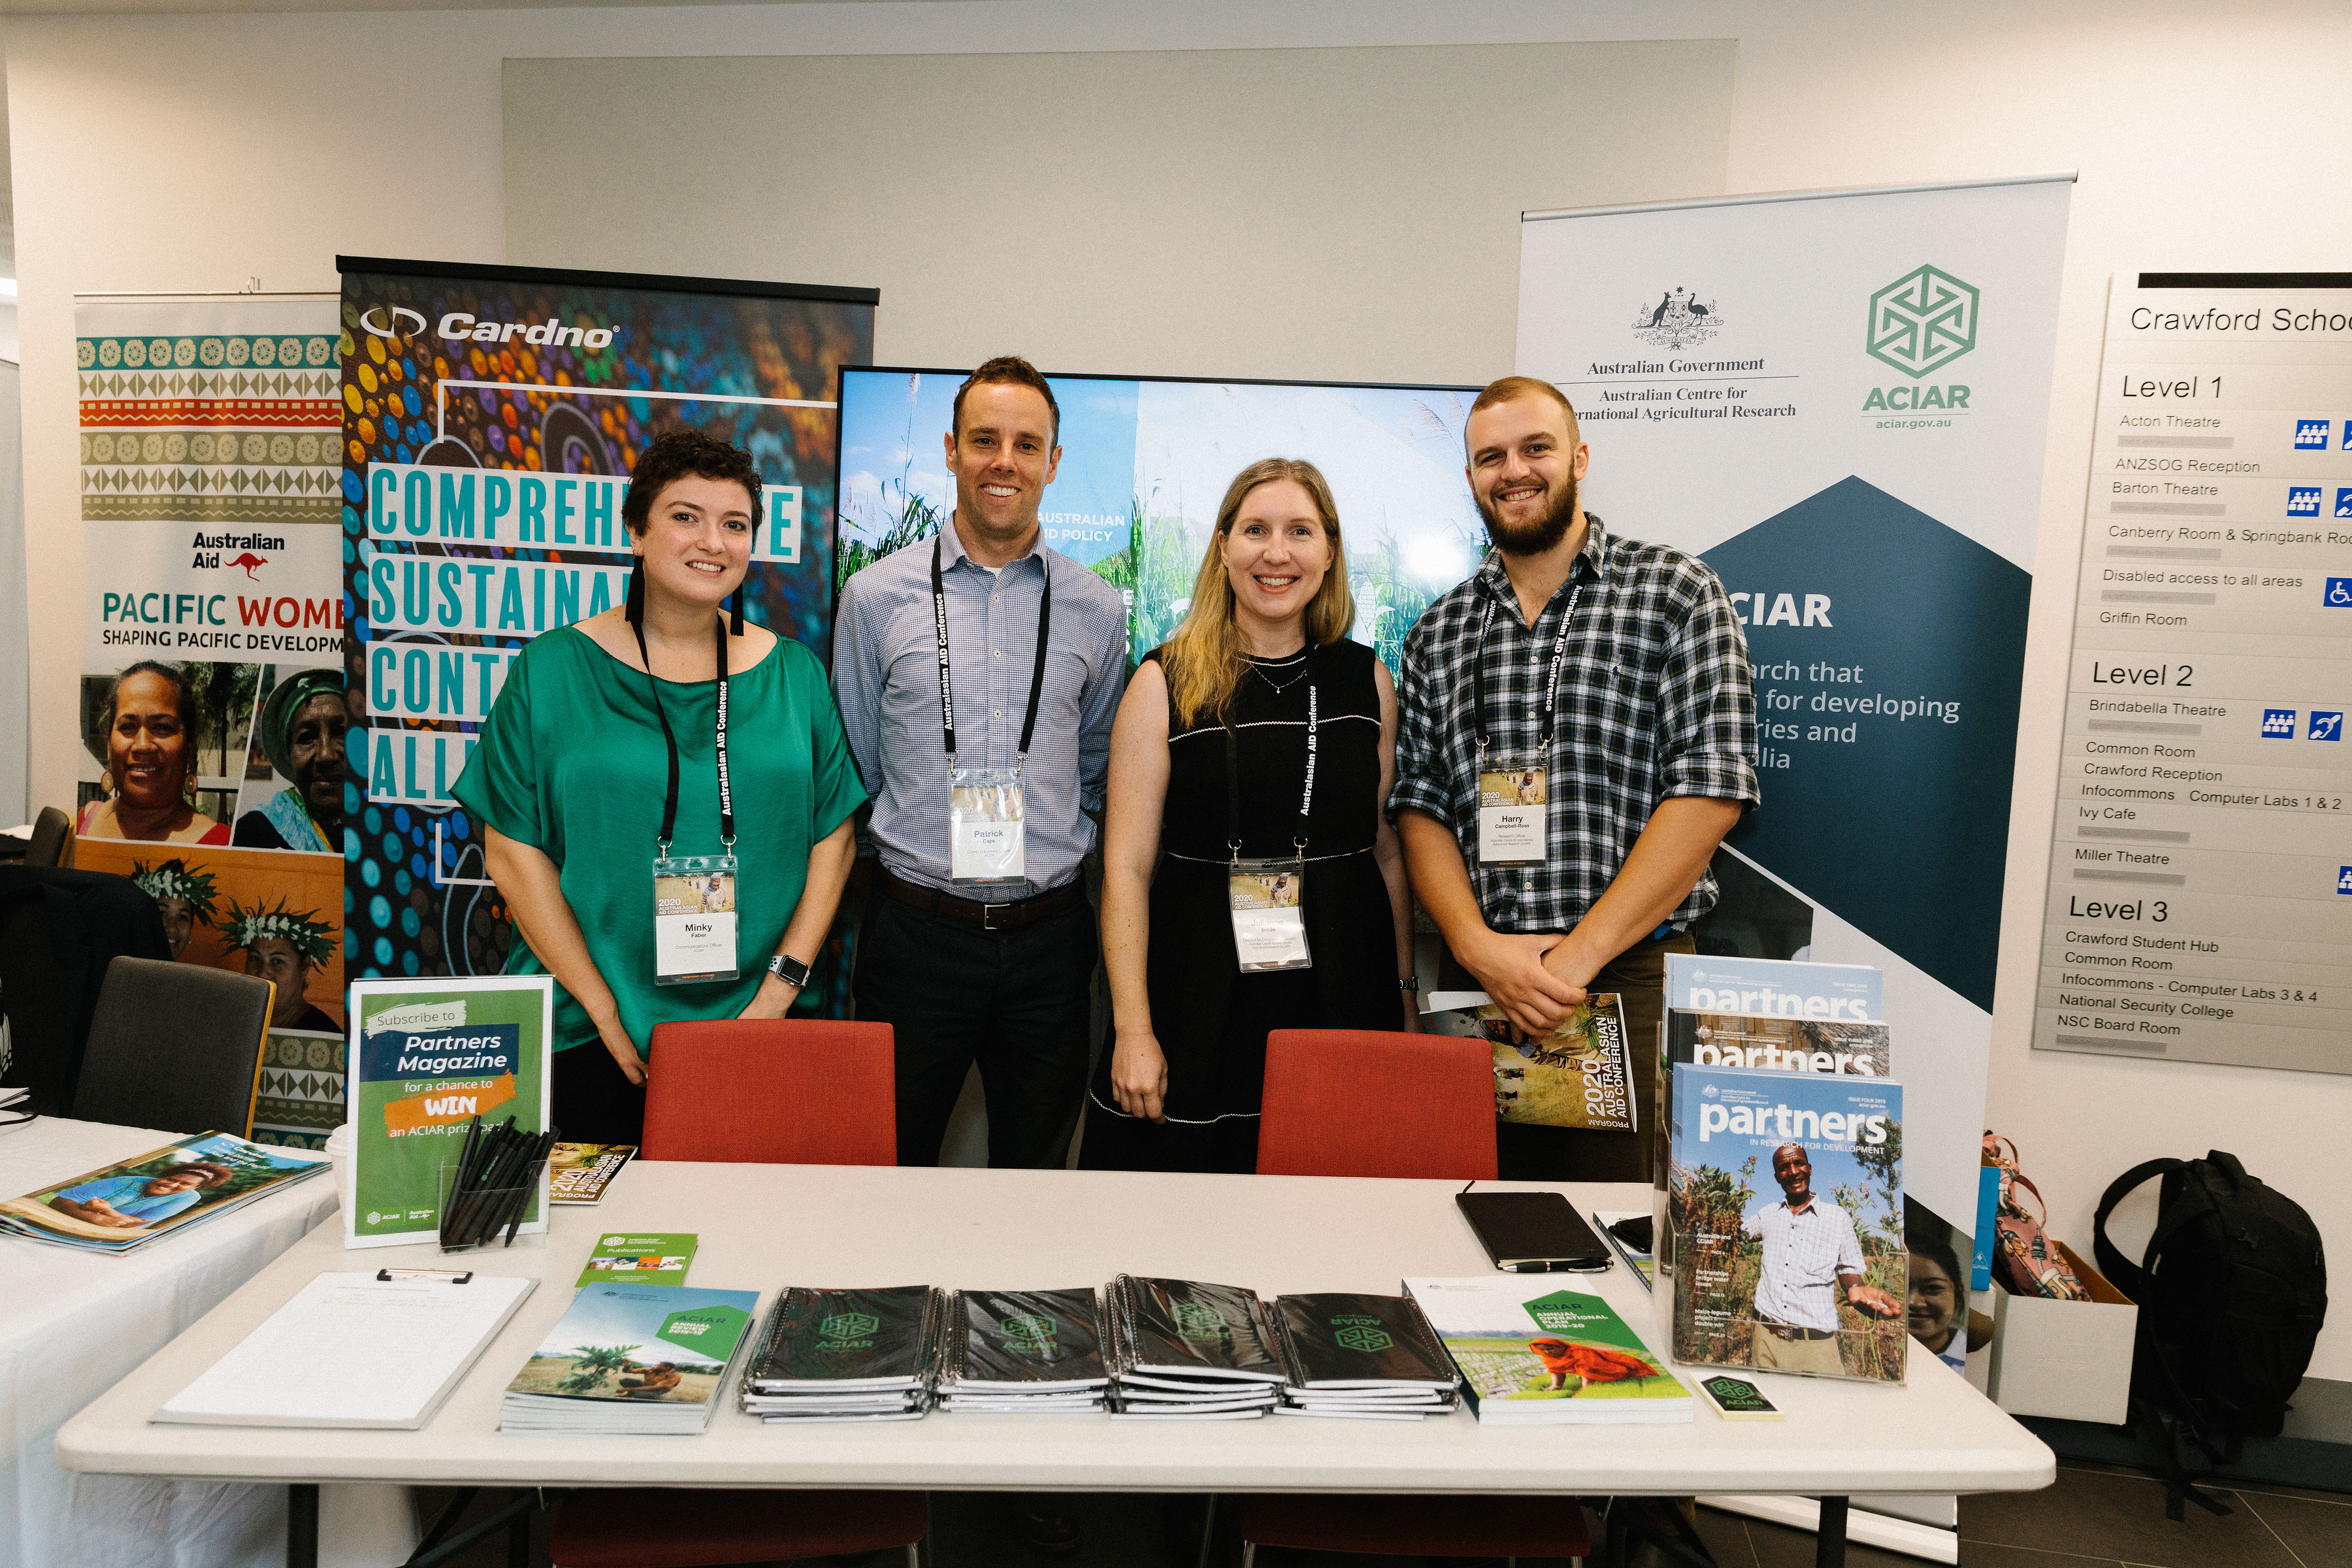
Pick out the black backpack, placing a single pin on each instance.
(2231, 1292)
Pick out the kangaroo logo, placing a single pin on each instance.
(249, 560)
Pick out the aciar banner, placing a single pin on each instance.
(212, 697)
(1838, 400)
(490, 419)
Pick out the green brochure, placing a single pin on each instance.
(433, 1055)
(659, 1257)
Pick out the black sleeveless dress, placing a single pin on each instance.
(1209, 1018)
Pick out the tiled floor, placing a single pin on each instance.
(2095, 1517)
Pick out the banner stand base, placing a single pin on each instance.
(1861, 1526)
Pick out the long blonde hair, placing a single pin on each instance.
(1203, 657)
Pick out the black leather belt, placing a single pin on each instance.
(1791, 1332)
(973, 911)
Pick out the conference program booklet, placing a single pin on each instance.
(635, 1360)
(1579, 1075)
(126, 1206)
(640, 1258)
(1536, 1355)
(580, 1173)
(1734, 1301)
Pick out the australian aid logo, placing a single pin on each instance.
(1920, 323)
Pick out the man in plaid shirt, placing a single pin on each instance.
(1617, 673)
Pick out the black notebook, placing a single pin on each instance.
(1022, 1339)
(841, 1340)
(1181, 1328)
(1341, 1340)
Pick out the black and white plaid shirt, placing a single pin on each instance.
(1655, 700)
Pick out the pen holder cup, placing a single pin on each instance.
(474, 1217)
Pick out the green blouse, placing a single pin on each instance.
(570, 762)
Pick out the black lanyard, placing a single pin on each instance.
(1552, 684)
(725, 796)
(1233, 780)
(1037, 676)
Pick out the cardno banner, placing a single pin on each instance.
(490, 420)
(1838, 400)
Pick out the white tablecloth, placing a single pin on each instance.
(74, 1324)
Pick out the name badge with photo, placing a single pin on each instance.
(1512, 816)
(1268, 900)
(987, 827)
(694, 919)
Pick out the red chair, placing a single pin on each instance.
(780, 1092)
(1509, 1527)
(1344, 1102)
(1356, 1103)
(792, 1091)
(652, 1527)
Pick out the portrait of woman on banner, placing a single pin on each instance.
(602, 757)
(146, 737)
(300, 729)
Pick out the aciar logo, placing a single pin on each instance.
(848, 1325)
(1198, 1321)
(1919, 324)
(1356, 1337)
(1030, 1331)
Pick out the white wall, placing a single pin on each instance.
(1332, 214)
(189, 153)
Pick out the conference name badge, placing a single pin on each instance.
(987, 826)
(1511, 814)
(1268, 901)
(694, 919)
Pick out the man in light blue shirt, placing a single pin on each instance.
(1810, 1249)
(132, 1203)
(979, 944)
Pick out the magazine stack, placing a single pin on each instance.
(637, 1360)
(1030, 1352)
(1360, 1357)
(848, 1355)
(1183, 1351)
(124, 1206)
(1532, 1354)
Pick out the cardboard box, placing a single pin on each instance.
(2067, 1359)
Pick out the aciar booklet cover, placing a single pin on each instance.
(1535, 1355)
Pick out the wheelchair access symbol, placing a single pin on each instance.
(2337, 594)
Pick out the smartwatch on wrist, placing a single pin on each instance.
(789, 970)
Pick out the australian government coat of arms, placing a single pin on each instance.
(1677, 318)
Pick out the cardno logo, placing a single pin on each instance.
(384, 322)
(1922, 321)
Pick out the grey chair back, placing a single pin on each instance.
(52, 842)
(175, 1046)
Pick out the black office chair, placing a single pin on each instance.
(53, 838)
(175, 1046)
(59, 931)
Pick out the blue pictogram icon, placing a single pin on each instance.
(2303, 501)
(2344, 880)
(2278, 723)
(2337, 594)
(2311, 435)
(2343, 500)
(2325, 726)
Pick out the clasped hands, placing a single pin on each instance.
(1535, 980)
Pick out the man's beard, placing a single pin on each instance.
(1533, 538)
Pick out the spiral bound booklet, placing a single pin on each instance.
(1180, 1348)
(1023, 1351)
(861, 1354)
(1358, 1356)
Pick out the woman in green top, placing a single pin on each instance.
(569, 776)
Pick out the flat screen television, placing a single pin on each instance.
(1145, 459)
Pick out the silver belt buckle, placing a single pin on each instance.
(988, 917)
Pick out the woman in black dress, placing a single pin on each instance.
(1213, 745)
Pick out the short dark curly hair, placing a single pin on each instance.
(676, 454)
(191, 711)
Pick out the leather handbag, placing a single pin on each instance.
(2023, 1260)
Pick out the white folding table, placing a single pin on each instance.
(764, 1226)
